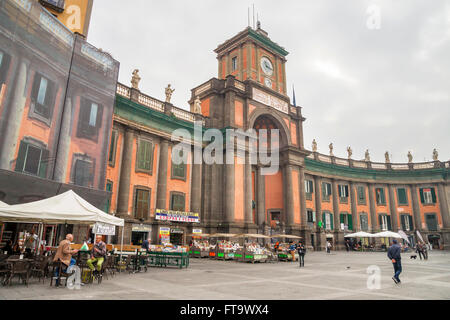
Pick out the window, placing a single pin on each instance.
(90, 119)
(407, 223)
(83, 173)
(43, 96)
(385, 222)
(112, 148)
(326, 191)
(431, 222)
(308, 189)
(311, 217)
(361, 195)
(234, 64)
(177, 201)
(144, 156)
(347, 220)
(179, 170)
(5, 60)
(109, 188)
(401, 196)
(327, 219)
(343, 193)
(381, 199)
(32, 159)
(427, 195)
(142, 203)
(364, 221)
(57, 5)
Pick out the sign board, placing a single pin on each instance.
(164, 235)
(270, 100)
(180, 216)
(176, 230)
(104, 229)
(401, 209)
(196, 231)
(141, 228)
(164, 230)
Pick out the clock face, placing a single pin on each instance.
(268, 82)
(266, 66)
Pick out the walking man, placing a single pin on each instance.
(301, 249)
(328, 247)
(394, 254)
(419, 250)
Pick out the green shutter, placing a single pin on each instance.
(43, 165)
(383, 198)
(433, 195)
(380, 222)
(324, 190)
(341, 217)
(402, 220)
(21, 156)
(389, 222)
(331, 221)
(350, 222)
(422, 199)
(411, 225)
(112, 146)
(324, 221)
(401, 195)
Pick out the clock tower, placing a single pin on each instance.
(251, 55)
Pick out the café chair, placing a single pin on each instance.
(20, 268)
(40, 268)
(60, 274)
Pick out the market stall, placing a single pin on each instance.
(253, 251)
(284, 253)
(363, 236)
(200, 245)
(223, 249)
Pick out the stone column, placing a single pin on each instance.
(337, 221)
(303, 214)
(125, 173)
(289, 198)
(161, 198)
(229, 192)
(443, 203)
(63, 144)
(318, 199)
(248, 191)
(261, 203)
(196, 188)
(353, 201)
(17, 107)
(416, 208)
(393, 208)
(373, 212)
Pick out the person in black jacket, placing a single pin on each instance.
(394, 254)
(301, 249)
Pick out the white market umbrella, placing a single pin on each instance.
(252, 235)
(387, 234)
(403, 235)
(222, 235)
(4, 205)
(360, 234)
(289, 236)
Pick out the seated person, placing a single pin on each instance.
(98, 254)
(64, 254)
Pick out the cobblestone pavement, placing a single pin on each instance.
(339, 275)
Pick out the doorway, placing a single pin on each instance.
(137, 237)
(176, 236)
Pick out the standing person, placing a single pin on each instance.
(328, 247)
(347, 245)
(394, 254)
(425, 251)
(301, 249)
(64, 254)
(30, 243)
(292, 250)
(419, 250)
(146, 244)
(98, 254)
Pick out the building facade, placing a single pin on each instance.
(315, 196)
(56, 105)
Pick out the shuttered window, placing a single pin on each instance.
(431, 222)
(364, 221)
(343, 193)
(142, 204)
(347, 220)
(179, 170)
(83, 173)
(144, 155)
(327, 219)
(109, 188)
(361, 195)
(407, 222)
(384, 222)
(308, 189)
(326, 190)
(89, 120)
(427, 195)
(32, 159)
(177, 202)
(112, 148)
(401, 196)
(43, 96)
(381, 199)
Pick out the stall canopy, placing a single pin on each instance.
(387, 234)
(289, 236)
(63, 208)
(222, 235)
(360, 234)
(252, 235)
(2, 204)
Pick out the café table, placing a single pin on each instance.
(12, 266)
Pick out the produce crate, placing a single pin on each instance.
(168, 259)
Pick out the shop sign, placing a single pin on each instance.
(104, 229)
(196, 231)
(164, 230)
(141, 228)
(179, 216)
(176, 231)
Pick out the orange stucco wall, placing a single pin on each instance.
(239, 113)
(205, 107)
(429, 208)
(251, 108)
(274, 193)
(178, 185)
(294, 133)
(360, 208)
(296, 195)
(238, 191)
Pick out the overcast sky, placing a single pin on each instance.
(378, 84)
